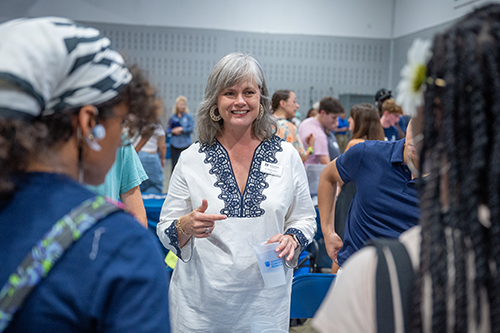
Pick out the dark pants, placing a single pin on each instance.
(174, 155)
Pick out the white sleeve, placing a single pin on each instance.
(349, 305)
(300, 218)
(176, 205)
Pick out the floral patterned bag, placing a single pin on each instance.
(45, 253)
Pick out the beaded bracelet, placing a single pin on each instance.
(179, 227)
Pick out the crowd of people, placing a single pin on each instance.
(81, 139)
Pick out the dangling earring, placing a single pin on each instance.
(261, 111)
(214, 117)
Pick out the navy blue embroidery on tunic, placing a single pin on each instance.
(235, 204)
(300, 237)
(171, 232)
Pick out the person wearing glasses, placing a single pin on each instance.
(125, 177)
(65, 99)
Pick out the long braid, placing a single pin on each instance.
(472, 95)
(442, 147)
(493, 175)
(485, 143)
(430, 217)
(461, 127)
(453, 150)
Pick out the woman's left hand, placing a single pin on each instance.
(287, 245)
(177, 130)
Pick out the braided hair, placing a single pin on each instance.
(460, 251)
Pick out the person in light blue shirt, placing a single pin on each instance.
(127, 173)
(123, 180)
(180, 126)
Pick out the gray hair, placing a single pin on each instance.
(230, 70)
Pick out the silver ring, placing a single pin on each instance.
(207, 231)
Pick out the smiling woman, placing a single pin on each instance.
(239, 106)
(233, 69)
(225, 198)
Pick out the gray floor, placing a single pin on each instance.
(305, 328)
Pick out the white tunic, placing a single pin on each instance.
(217, 286)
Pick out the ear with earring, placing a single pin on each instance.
(261, 111)
(213, 116)
(98, 132)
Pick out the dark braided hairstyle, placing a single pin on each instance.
(460, 255)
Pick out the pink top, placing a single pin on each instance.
(308, 126)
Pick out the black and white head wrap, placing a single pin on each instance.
(51, 64)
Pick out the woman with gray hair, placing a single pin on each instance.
(239, 186)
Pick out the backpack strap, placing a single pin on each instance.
(47, 251)
(394, 271)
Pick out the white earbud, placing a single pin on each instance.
(97, 133)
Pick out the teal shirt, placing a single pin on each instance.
(125, 174)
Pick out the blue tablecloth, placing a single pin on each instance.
(153, 204)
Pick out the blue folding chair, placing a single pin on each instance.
(307, 260)
(308, 291)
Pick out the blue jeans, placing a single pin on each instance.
(152, 166)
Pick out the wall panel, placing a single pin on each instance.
(179, 60)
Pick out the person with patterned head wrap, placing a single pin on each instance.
(65, 97)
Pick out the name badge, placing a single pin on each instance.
(271, 169)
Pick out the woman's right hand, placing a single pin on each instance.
(199, 224)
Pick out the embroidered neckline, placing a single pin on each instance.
(237, 204)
